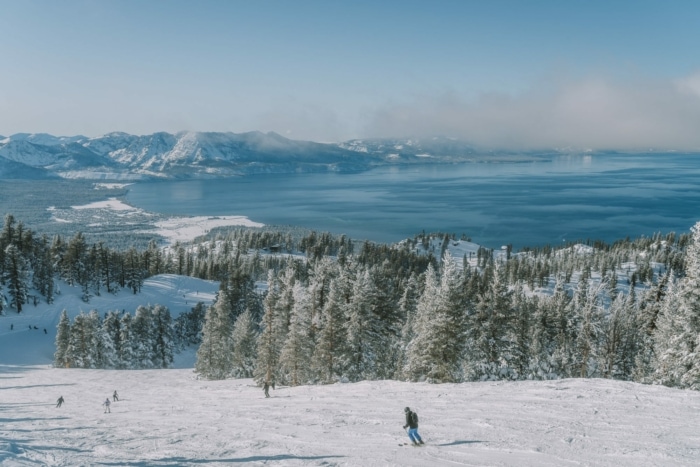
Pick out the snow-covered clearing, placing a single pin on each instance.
(171, 228)
(171, 418)
(168, 417)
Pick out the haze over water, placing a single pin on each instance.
(606, 197)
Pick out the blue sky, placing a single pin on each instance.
(499, 73)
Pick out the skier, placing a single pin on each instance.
(266, 388)
(115, 396)
(106, 404)
(59, 402)
(412, 424)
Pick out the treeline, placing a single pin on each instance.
(148, 339)
(612, 311)
(332, 309)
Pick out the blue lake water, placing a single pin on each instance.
(604, 197)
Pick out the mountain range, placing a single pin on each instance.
(122, 156)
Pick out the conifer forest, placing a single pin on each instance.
(313, 308)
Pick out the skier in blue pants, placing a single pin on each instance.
(412, 424)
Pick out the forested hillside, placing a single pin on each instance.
(315, 308)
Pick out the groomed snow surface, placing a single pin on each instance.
(171, 418)
(168, 418)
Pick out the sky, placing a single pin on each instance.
(504, 73)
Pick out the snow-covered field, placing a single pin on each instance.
(171, 418)
(168, 418)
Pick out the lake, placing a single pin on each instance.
(606, 197)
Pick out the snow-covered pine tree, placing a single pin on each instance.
(492, 330)
(268, 345)
(407, 311)
(43, 277)
(111, 327)
(524, 308)
(677, 339)
(321, 273)
(618, 333)
(437, 349)
(125, 352)
(142, 338)
(60, 357)
(418, 359)
(330, 337)
(647, 324)
(588, 313)
(98, 347)
(214, 356)
(134, 271)
(244, 346)
(364, 339)
(564, 332)
(163, 337)
(79, 352)
(296, 353)
(387, 320)
(544, 333)
(16, 276)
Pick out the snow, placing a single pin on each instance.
(170, 417)
(111, 203)
(172, 229)
(184, 229)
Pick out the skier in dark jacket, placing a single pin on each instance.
(412, 424)
(266, 388)
(59, 402)
(115, 396)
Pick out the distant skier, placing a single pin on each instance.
(412, 424)
(266, 388)
(106, 403)
(59, 402)
(115, 396)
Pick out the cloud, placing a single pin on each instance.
(595, 112)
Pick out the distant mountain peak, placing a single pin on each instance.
(197, 154)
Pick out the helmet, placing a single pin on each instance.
(407, 409)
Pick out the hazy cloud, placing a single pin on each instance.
(596, 112)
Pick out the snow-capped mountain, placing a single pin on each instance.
(206, 154)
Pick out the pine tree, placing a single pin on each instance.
(296, 353)
(331, 334)
(142, 338)
(437, 350)
(16, 277)
(100, 345)
(268, 346)
(60, 358)
(677, 339)
(244, 346)
(493, 330)
(111, 327)
(214, 356)
(163, 337)
(418, 360)
(364, 340)
(588, 317)
(407, 310)
(125, 352)
(79, 353)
